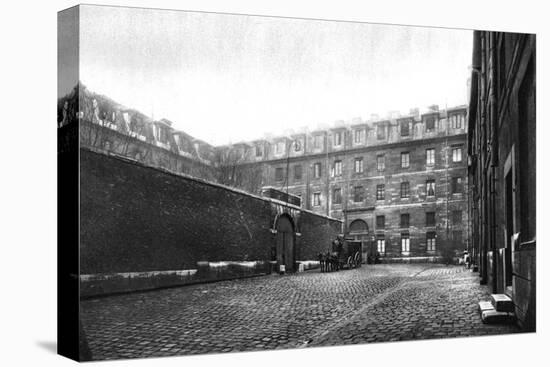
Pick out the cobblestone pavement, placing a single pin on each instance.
(369, 304)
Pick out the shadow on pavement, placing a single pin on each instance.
(50, 346)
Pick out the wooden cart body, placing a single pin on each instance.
(349, 253)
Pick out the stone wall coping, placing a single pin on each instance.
(203, 181)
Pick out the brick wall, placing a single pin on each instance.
(139, 222)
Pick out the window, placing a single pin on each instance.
(359, 165)
(404, 128)
(317, 141)
(430, 187)
(430, 123)
(457, 154)
(456, 185)
(405, 220)
(297, 145)
(298, 172)
(430, 241)
(279, 174)
(316, 199)
(430, 219)
(405, 160)
(405, 242)
(456, 121)
(179, 142)
(338, 168)
(337, 196)
(380, 192)
(238, 153)
(381, 162)
(358, 226)
(161, 134)
(358, 194)
(380, 132)
(337, 138)
(279, 147)
(317, 170)
(405, 190)
(358, 136)
(430, 156)
(457, 216)
(381, 245)
(380, 222)
(258, 150)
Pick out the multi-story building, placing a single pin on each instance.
(502, 167)
(399, 184)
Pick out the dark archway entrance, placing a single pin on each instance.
(285, 243)
(359, 231)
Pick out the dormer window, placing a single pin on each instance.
(317, 141)
(280, 147)
(161, 133)
(358, 136)
(177, 139)
(337, 138)
(298, 145)
(404, 125)
(258, 150)
(430, 123)
(380, 132)
(457, 121)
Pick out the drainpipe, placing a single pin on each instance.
(346, 183)
(494, 159)
(328, 174)
(307, 169)
(474, 150)
(480, 41)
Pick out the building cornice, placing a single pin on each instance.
(355, 150)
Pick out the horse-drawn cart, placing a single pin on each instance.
(349, 254)
(342, 255)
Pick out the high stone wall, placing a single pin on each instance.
(142, 227)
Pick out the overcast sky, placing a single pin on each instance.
(228, 78)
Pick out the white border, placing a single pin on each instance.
(28, 87)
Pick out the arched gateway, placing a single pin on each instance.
(359, 232)
(285, 243)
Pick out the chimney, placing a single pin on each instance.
(339, 123)
(356, 120)
(433, 108)
(394, 114)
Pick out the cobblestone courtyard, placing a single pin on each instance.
(370, 304)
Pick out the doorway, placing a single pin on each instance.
(359, 231)
(285, 243)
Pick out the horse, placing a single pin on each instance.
(328, 262)
(322, 262)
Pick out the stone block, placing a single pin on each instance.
(496, 317)
(502, 303)
(485, 306)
